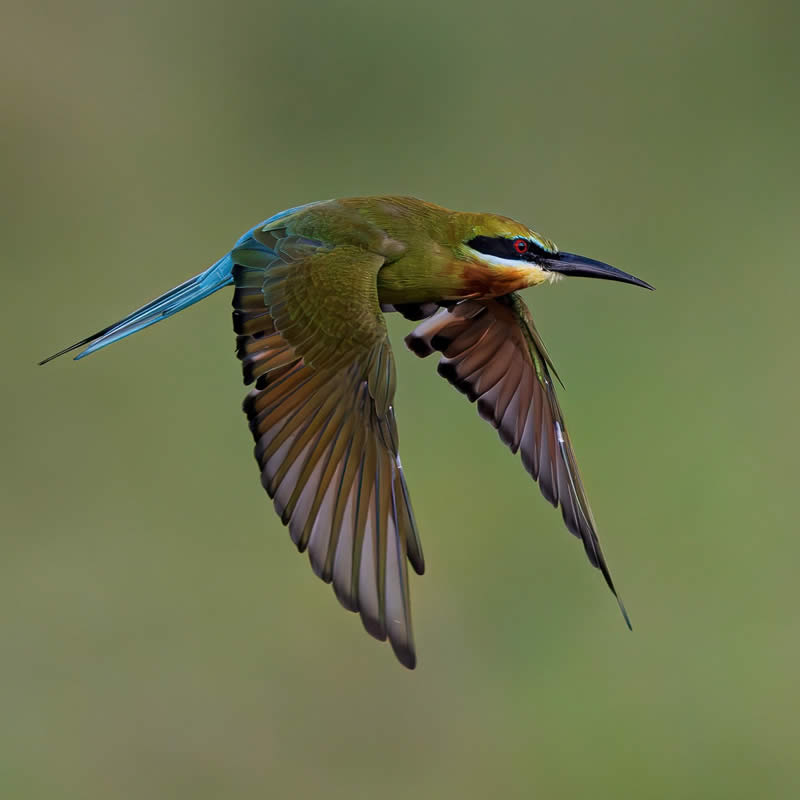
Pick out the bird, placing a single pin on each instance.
(311, 288)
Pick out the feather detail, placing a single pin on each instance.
(322, 418)
(493, 354)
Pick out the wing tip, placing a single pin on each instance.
(624, 612)
(607, 575)
(374, 627)
(405, 654)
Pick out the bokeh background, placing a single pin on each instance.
(160, 636)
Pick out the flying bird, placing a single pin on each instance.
(311, 286)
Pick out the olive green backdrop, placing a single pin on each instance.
(161, 638)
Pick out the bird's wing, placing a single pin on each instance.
(494, 355)
(312, 338)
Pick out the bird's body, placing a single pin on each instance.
(423, 245)
(311, 286)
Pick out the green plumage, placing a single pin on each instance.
(311, 286)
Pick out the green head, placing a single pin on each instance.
(501, 243)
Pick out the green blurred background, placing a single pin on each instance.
(160, 636)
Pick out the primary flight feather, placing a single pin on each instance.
(311, 287)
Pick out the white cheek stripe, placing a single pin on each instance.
(497, 261)
(514, 263)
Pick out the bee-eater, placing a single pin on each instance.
(311, 284)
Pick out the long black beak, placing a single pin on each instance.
(582, 267)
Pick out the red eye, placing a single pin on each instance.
(521, 246)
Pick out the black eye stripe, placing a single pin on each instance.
(503, 247)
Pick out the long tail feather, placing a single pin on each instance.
(201, 286)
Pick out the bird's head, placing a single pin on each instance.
(503, 244)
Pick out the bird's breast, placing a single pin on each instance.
(410, 280)
(481, 280)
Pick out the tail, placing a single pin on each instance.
(215, 277)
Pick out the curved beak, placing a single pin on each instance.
(582, 267)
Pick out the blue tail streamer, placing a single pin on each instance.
(195, 289)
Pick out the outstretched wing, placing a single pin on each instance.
(494, 355)
(312, 338)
